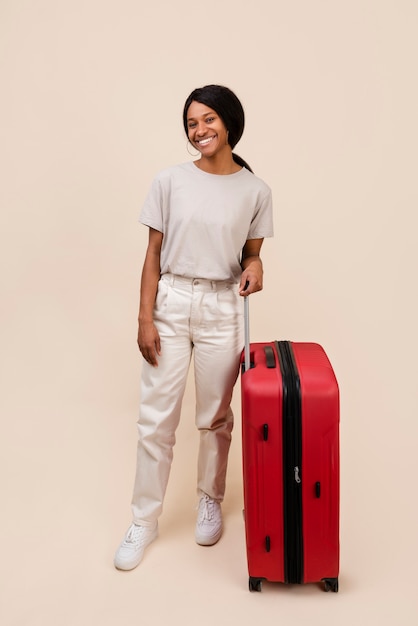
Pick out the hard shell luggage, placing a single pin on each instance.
(290, 431)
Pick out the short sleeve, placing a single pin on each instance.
(152, 210)
(262, 222)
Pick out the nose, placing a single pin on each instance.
(201, 128)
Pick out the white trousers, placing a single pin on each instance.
(205, 318)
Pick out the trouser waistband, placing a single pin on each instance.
(197, 284)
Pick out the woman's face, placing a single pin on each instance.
(206, 130)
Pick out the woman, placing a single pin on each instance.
(207, 220)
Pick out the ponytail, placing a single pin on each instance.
(241, 162)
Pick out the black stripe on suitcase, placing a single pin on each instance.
(292, 460)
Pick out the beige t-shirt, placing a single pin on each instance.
(206, 219)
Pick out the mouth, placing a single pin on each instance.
(205, 142)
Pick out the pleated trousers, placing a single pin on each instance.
(195, 318)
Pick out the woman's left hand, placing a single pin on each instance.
(251, 279)
(252, 274)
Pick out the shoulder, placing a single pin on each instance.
(254, 184)
(174, 171)
(168, 179)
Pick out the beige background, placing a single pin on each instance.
(90, 109)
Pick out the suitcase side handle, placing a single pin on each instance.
(270, 359)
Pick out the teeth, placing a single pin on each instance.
(204, 142)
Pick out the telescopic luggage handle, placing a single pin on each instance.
(268, 349)
(247, 364)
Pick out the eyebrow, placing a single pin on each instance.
(189, 119)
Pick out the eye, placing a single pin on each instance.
(210, 119)
(192, 124)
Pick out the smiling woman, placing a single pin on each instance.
(207, 220)
(211, 111)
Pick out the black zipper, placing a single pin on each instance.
(292, 464)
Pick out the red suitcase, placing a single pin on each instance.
(290, 431)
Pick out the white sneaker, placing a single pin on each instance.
(209, 522)
(132, 548)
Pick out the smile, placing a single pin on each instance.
(205, 142)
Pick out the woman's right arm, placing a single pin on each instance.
(148, 337)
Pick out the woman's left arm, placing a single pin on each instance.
(252, 268)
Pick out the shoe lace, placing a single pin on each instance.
(205, 509)
(134, 534)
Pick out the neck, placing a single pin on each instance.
(222, 164)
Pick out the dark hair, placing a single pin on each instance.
(227, 106)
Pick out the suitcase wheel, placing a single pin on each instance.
(254, 584)
(331, 584)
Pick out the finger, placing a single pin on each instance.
(158, 346)
(147, 353)
(246, 289)
(150, 358)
